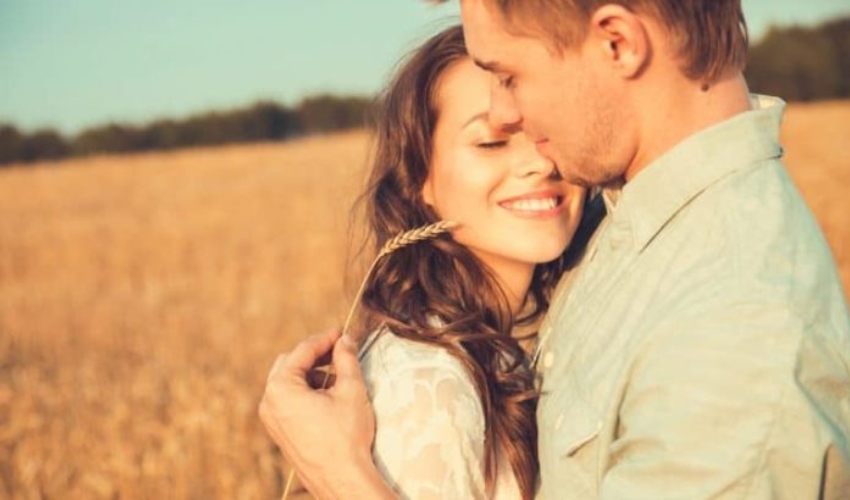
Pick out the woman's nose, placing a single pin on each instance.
(533, 163)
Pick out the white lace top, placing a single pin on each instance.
(429, 441)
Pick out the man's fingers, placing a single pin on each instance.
(320, 379)
(324, 360)
(305, 355)
(277, 366)
(345, 364)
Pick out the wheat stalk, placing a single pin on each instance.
(397, 242)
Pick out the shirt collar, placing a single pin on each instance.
(663, 187)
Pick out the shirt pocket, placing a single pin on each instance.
(575, 427)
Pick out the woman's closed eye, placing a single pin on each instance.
(493, 144)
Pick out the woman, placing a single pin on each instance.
(451, 388)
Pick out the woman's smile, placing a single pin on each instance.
(537, 205)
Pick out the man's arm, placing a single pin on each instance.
(326, 434)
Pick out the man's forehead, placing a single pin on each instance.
(485, 28)
(483, 32)
(491, 37)
(480, 11)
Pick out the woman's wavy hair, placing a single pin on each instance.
(442, 279)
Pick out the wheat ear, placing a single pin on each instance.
(397, 242)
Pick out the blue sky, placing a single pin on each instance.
(73, 64)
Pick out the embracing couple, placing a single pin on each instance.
(696, 343)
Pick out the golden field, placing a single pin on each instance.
(143, 299)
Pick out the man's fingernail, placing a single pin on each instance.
(347, 341)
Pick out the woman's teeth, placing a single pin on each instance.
(528, 205)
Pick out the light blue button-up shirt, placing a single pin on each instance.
(702, 348)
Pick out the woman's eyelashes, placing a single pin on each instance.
(494, 144)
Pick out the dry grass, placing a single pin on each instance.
(142, 301)
(816, 138)
(143, 298)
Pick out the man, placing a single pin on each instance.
(701, 349)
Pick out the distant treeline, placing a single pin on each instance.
(264, 121)
(795, 63)
(802, 64)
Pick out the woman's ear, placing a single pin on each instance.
(622, 38)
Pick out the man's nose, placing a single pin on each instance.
(504, 114)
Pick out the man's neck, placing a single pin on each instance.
(674, 112)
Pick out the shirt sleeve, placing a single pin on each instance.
(429, 441)
(708, 414)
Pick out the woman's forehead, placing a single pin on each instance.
(463, 93)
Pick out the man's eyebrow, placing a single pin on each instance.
(492, 66)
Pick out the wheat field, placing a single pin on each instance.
(143, 299)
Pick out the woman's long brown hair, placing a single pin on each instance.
(442, 278)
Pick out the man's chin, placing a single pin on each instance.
(592, 179)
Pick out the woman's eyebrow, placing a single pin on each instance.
(484, 115)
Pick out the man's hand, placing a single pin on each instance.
(326, 433)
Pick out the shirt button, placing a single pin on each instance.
(559, 421)
(548, 359)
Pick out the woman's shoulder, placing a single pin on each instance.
(416, 384)
(430, 426)
(385, 354)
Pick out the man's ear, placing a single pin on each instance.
(622, 38)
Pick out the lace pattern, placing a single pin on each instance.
(429, 441)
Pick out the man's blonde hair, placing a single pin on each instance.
(710, 36)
